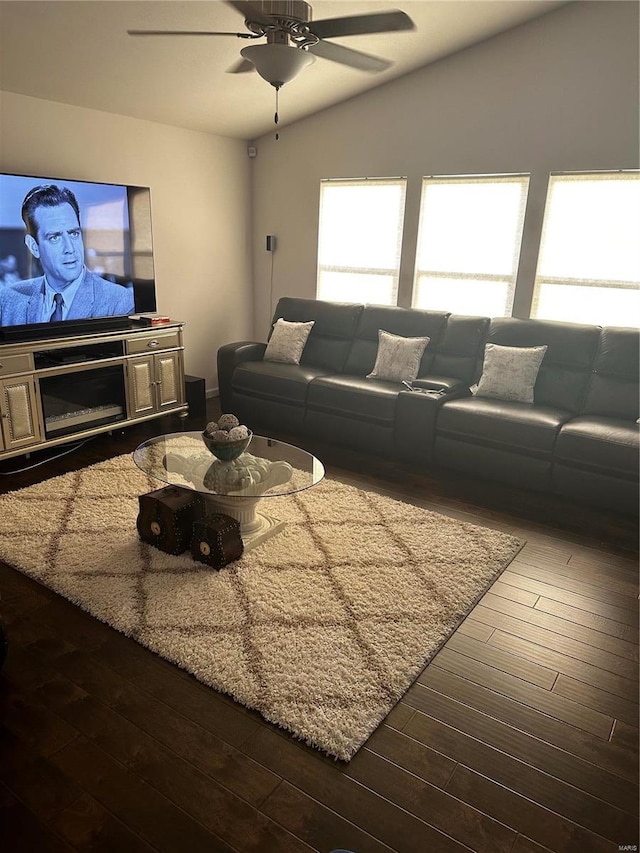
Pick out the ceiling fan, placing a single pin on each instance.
(293, 39)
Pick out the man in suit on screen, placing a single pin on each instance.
(67, 290)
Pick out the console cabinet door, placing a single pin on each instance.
(142, 398)
(168, 379)
(155, 383)
(18, 412)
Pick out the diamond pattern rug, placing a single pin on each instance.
(321, 629)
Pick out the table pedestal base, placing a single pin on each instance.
(255, 527)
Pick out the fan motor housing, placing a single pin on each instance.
(295, 10)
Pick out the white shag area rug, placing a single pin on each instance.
(321, 629)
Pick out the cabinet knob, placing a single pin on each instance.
(153, 343)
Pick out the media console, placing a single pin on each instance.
(58, 389)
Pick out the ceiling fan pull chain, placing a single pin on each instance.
(276, 118)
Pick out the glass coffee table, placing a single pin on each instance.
(267, 470)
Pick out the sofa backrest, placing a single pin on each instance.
(614, 383)
(566, 367)
(407, 322)
(334, 326)
(460, 348)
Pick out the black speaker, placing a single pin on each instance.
(195, 396)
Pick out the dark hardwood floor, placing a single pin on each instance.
(520, 737)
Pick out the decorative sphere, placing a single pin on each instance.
(227, 450)
(238, 432)
(228, 422)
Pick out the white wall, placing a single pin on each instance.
(200, 197)
(557, 94)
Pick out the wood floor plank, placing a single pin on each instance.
(564, 627)
(148, 813)
(620, 578)
(43, 730)
(73, 622)
(354, 802)
(626, 737)
(526, 845)
(321, 828)
(605, 755)
(565, 664)
(626, 615)
(217, 809)
(21, 832)
(425, 763)
(551, 793)
(513, 593)
(528, 694)
(544, 637)
(86, 825)
(525, 815)
(447, 813)
(36, 781)
(582, 561)
(591, 697)
(529, 671)
(398, 716)
(209, 753)
(475, 630)
(582, 586)
(512, 741)
(628, 633)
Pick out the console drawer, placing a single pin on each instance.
(10, 364)
(165, 340)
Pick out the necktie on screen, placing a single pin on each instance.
(57, 311)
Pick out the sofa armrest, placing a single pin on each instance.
(416, 416)
(229, 356)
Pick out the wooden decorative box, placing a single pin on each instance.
(166, 518)
(216, 540)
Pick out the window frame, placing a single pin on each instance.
(400, 181)
(522, 178)
(570, 281)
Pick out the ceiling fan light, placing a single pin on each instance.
(277, 63)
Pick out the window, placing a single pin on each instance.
(359, 242)
(589, 261)
(469, 243)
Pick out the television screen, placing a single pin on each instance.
(72, 253)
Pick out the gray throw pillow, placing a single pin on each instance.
(287, 341)
(510, 373)
(398, 358)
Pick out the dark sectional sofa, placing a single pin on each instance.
(579, 438)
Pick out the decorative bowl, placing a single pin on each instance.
(226, 451)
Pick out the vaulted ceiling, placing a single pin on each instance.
(79, 53)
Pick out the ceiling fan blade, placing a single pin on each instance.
(355, 25)
(183, 33)
(347, 56)
(241, 66)
(249, 11)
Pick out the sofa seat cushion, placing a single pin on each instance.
(275, 381)
(596, 442)
(501, 423)
(355, 397)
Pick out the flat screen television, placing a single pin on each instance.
(61, 276)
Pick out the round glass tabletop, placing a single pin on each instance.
(268, 468)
